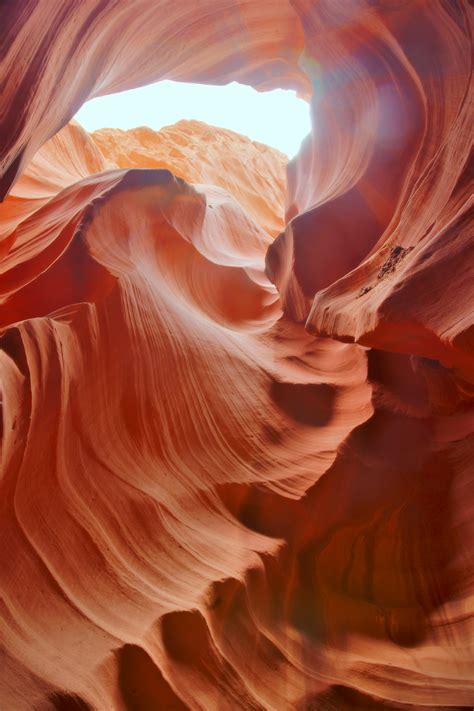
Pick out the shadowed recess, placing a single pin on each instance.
(68, 702)
(308, 404)
(142, 684)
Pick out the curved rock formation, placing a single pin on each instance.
(252, 173)
(237, 471)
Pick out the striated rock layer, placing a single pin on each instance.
(237, 471)
(252, 173)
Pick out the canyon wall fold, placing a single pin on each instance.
(237, 405)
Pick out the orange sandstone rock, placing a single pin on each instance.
(237, 472)
(252, 173)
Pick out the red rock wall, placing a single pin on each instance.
(237, 472)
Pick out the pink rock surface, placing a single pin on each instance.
(237, 471)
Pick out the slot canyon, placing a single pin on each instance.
(237, 392)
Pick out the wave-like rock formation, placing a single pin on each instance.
(237, 448)
(252, 173)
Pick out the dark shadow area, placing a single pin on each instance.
(261, 510)
(68, 702)
(188, 642)
(11, 343)
(307, 404)
(342, 698)
(142, 685)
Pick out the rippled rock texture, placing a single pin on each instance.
(237, 427)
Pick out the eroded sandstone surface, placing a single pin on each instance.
(237, 396)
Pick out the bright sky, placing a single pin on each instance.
(277, 118)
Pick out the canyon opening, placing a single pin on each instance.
(276, 118)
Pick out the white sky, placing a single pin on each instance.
(277, 118)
